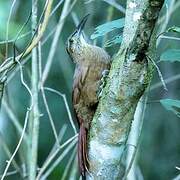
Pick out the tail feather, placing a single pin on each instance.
(82, 150)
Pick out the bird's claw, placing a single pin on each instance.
(102, 83)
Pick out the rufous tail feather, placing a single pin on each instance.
(82, 150)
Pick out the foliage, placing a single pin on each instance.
(105, 28)
(108, 27)
(174, 29)
(116, 40)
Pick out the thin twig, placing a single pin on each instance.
(34, 116)
(25, 124)
(8, 152)
(166, 20)
(140, 119)
(46, 104)
(7, 27)
(8, 62)
(168, 80)
(43, 42)
(49, 115)
(54, 44)
(49, 35)
(56, 7)
(10, 77)
(14, 119)
(171, 10)
(20, 37)
(74, 170)
(56, 145)
(10, 173)
(7, 65)
(169, 37)
(45, 100)
(116, 5)
(159, 73)
(59, 159)
(64, 176)
(66, 105)
(42, 28)
(108, 18)
(72, 141)
(40, 59)
(112, 3)
(19, 128)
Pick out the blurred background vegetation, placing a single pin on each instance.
(159, 150)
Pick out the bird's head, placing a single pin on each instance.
(76, 41)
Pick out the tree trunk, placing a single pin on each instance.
(130, 75)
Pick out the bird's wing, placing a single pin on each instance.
(79, 79)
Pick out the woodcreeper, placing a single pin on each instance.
(90, 61)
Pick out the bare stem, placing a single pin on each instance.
(64, 176)
(66, 105)
(9, 63)
(24, 127)
(34, 118)
(54, 44)
(7, 28)
(59, 159)
(8, 152)
(71, 143)
(49, 115)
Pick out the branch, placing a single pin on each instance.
(8, 153)
(49, 115)
(70, 142)
(65, 11)
(130, 75)
(116, 5)
(59, 159)
(66, 106)
(7, 26)
(9, 63)
(34, 116)
(24, 127)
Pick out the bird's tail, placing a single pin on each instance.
(82, 150)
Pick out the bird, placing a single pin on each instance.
(90, 63)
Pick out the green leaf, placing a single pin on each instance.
(115, 40)
(174, 29)
(171, 55)
(171, 105)
(107, 27)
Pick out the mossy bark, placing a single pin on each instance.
(130, 74)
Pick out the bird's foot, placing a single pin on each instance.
(102, 83)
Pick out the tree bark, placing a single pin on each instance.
(130, 74)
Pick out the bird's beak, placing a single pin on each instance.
(82, 24)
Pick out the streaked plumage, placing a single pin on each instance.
(90, 61)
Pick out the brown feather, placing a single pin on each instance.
(90, 61)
